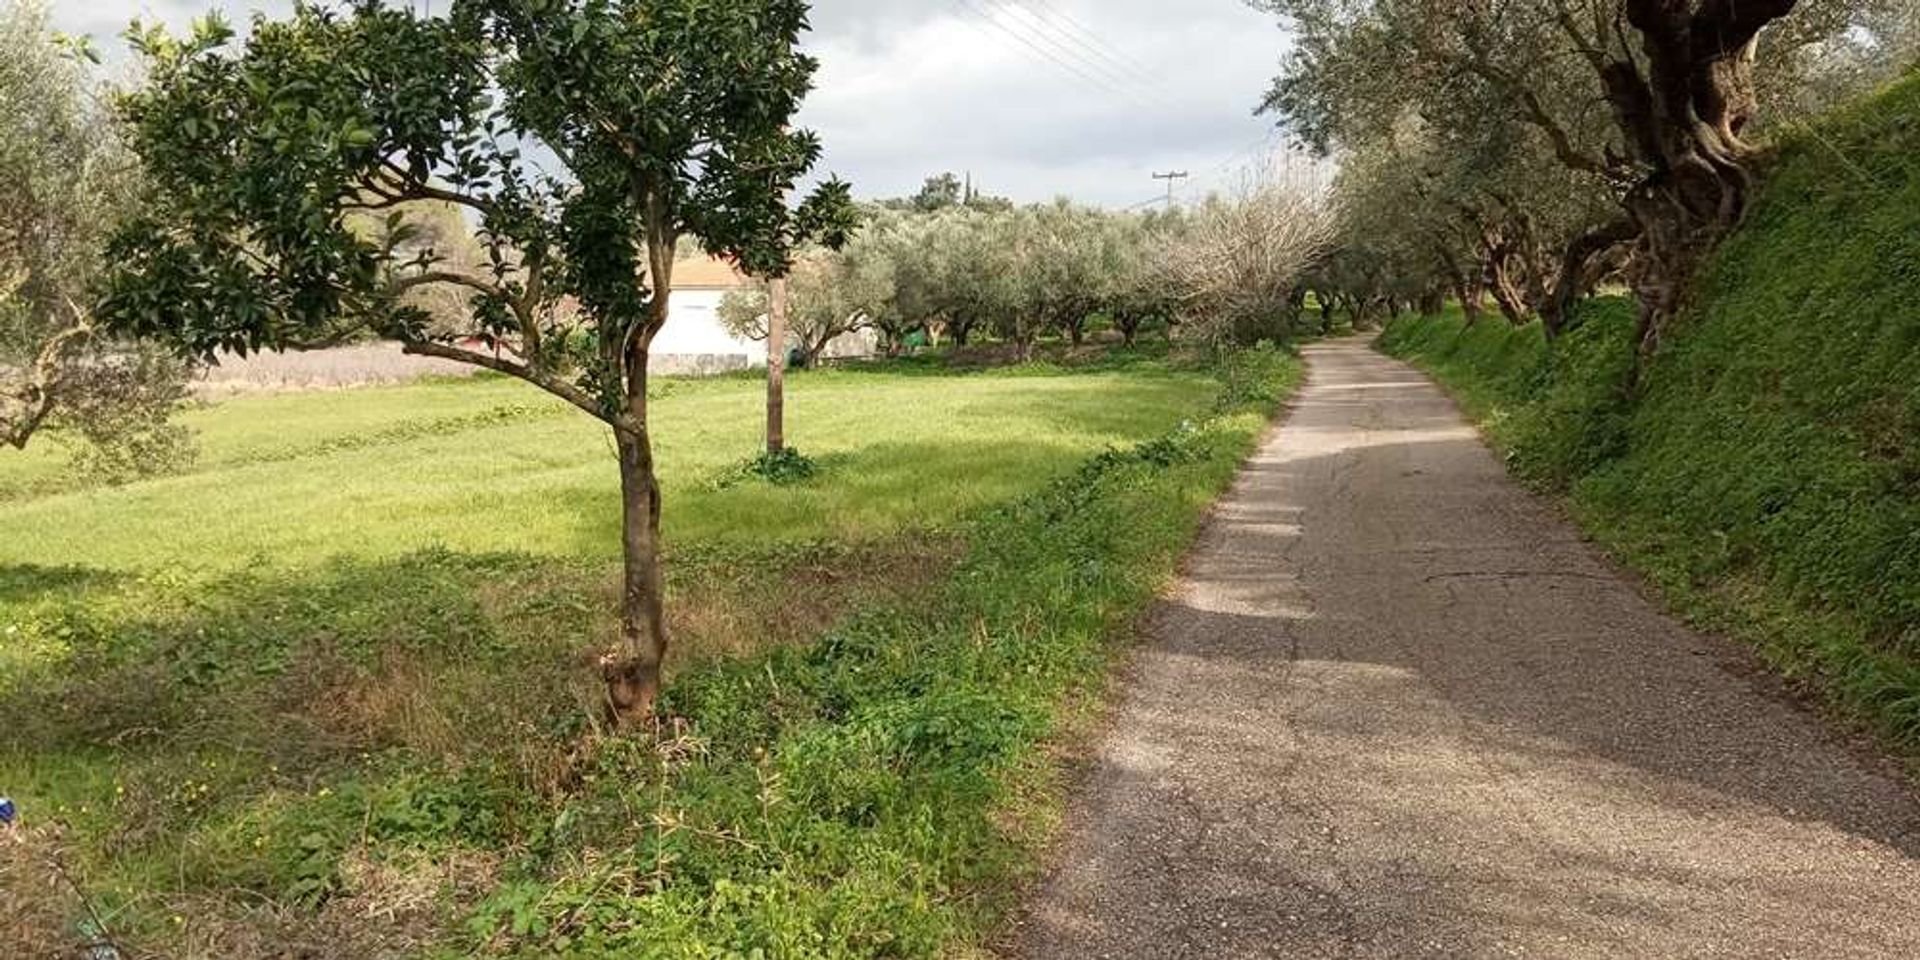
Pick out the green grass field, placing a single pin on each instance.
(494, 465)
(341, 667)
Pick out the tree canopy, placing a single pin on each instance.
(1647, 108)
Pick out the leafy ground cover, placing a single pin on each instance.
(1768, 478)
(327, 694)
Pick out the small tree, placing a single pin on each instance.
(669, 118)
(829, 295)
(960, 274)
(1068, 260)
(1242, 259)
(1143, 290)
(882, 253)
(64, 177)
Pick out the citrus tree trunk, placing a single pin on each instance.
(633, 674)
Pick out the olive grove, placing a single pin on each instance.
(1541, 146)
(1232, 269)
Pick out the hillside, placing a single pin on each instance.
(1768, 480)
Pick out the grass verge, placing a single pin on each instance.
(1753, 510)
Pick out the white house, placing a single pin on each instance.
(693, 341)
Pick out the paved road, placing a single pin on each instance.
(1397, 708)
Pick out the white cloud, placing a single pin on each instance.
(1036, 98)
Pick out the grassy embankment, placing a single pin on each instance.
(1768, 479)
(328, 690)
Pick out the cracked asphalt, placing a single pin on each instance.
(1396, 707)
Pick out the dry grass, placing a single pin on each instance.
(721, 616)
(37, 901)
(386, 909)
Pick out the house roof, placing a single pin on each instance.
(706, 273)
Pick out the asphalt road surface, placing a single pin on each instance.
(1397, 708)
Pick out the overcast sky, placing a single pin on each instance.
(1085, 98)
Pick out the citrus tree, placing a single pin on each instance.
(583, 139)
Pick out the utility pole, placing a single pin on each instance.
(1170, 178)
(776, 364)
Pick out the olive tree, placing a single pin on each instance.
(585, 139)
(829, 294)
(64, 178)
(1140, 291)
(961, 276)
(1071, 261)
(1464, 211)
(884, 251)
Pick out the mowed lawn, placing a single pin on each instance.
(493, 465)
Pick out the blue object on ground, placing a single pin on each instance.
(6, 810)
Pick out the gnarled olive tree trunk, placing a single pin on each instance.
(1682, 121)
(1575, 277)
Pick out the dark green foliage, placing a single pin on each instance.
(287, 171)
(270, 159)
(1769, 476)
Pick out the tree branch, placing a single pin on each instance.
(1536, 113)
(412, 189)
(559, 388)
(1722, 28)
(404, 284)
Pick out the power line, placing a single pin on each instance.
(1262, 169)
(1107, 50)
(1085, 55)
(966, 7)
(1063, 44)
